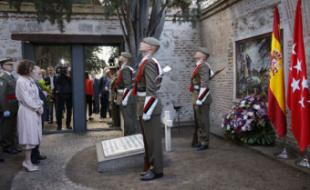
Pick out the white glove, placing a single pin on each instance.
(198, 102)
(146, 117)
(106, 88)
(6, 114)
(45, 93)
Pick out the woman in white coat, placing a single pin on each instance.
(29, 112)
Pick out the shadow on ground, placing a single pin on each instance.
(224, 166)
(12, 164)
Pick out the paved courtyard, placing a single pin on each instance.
(71, 165)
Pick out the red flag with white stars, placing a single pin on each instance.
(298, 90)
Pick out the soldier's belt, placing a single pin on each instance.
(120, 90)
(142, 94)
(196, 87)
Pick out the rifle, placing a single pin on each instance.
(195, 134)
(216, 73)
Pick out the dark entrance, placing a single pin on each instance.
(77, 45)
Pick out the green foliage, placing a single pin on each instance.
(56, 11)
(259, 136)
(93, 63)
(138, 18)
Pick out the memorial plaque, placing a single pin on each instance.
(120, 153)
(123, 145)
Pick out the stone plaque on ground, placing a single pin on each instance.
(120, 153)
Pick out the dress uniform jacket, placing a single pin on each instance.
(127, 101)
(149, 108)
(9, 103)
(115, 112)
(201, 99)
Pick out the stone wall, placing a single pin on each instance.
(178, 43)
(229, 21)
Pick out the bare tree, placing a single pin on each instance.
(138, 18)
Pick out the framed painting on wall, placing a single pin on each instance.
(252, 60)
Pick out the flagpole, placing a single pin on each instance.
(304, 161)
(283, 154)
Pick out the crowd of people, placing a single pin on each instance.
(27, 103)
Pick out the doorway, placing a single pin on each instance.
(54, 50)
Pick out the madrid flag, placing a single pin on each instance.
(276, 90)
(298, 90)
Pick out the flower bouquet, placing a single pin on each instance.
(248, 122)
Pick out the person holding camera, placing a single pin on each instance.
(63, 96)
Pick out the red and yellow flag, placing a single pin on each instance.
(276, 90)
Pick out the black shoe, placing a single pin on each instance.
(35, 161)
(203, 147)
(42, 157)
(150, 175)
(68, 127)
(59, 128)
(196, 145)
(50, 122)
(1, 160)
(11, 151)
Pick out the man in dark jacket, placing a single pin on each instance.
(63, 95)
(36, 75)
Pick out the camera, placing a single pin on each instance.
(61, 70)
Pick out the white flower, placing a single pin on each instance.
(228, 127)
(243, 128)
(256, 106)
(250, 114)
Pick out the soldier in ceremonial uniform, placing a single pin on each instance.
(9, 108)
(124, 83)
(114, 107)
(149, 107)
(201, 97)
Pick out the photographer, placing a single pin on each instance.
(63, 95)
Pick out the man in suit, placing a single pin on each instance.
(201, 97)
(50, 81)
(37, 76)
(9, 108)
(147, 84)
(124, 84)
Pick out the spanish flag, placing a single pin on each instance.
(276, 91)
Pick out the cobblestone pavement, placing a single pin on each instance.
(59, 148)
(71, 165)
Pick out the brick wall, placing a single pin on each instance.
(232, 20)
(178, 43)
